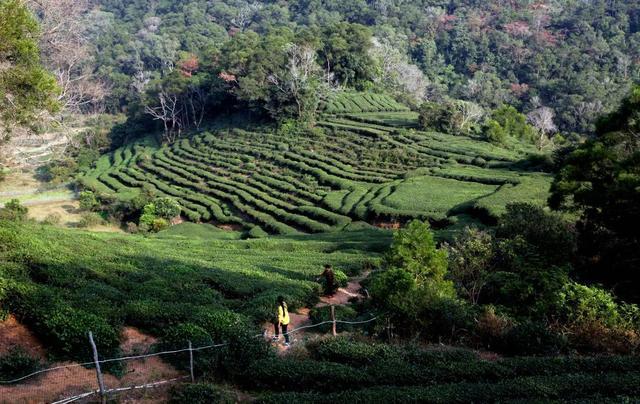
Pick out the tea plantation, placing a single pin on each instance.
(364, 162)
(62, 283)
(200, 283)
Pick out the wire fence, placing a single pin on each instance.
(142, 375)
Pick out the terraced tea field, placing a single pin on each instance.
(368, 163)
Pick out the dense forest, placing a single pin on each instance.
(576, 57)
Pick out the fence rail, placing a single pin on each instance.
(104, 391)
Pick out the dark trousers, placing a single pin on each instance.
(284, 331)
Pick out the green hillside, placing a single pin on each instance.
(364, 162)
(103, 281)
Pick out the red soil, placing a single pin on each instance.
(67, 382)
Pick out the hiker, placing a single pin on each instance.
(282, 321)
(330, 285)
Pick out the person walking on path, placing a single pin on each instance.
(282, 321)
(330, 285)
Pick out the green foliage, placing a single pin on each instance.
(470, 257)
(26, 88)
(166, 208)
(435, 116)
(14, 211)
(414, 250)
(257, 232)
(61, 283)
(589, 304)
(495, 133)
(550, 235)
(321, 314)
(524, 281)
(200, 393)
(88, 200)
(148, 215)
(58, 172)
(531, 338)
(177, 337)
(317, 182)
(507, 121)
(341, 278)
(393, 366)
(414, 290)
(600, 180)
(90, 219)
(159, 224)
(612, 387)
(16, 362)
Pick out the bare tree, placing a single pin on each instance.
(542, 119)
(245, 15)
(67, 52)
(302, 80)
(170, 112)
(397, 73)
(196, 101)
(469, 113)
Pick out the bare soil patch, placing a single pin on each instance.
(71, 381)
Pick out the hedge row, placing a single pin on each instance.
(309, 375)
(578, 387)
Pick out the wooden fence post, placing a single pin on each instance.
(333, 318)
(193, 379)
(98, 371)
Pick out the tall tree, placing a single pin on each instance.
(67, 52)
(26, 88)
(601, 181)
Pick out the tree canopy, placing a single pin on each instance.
(26, 88)
(601, 181)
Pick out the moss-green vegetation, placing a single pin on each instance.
(62, 283)
(356, 166)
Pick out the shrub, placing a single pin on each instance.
(167, 208)
(66, 330)
(200, 393)
(17, 363)
(14, 211)
(532, 338)
(88, 200)
(548, 233)
(585, 304)
(90, 219)
(341, 278)
(579, 387)
(148, 215)
(345, 350)
(596, 337)
(492, 327)
(52, 219)
(178, 337)
(159, 224)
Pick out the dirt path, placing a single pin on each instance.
(301, 317)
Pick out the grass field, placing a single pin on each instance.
(366, 164)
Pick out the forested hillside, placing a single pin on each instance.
(575, 57)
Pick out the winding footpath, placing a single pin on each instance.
(301, 317)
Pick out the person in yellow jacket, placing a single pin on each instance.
(283, 321)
